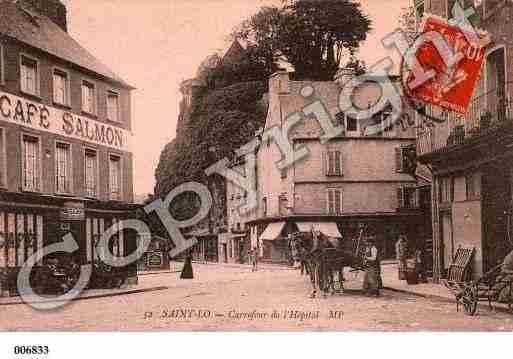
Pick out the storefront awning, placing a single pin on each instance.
(329, 229)
(272, 231)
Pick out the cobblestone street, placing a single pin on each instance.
(234, 298)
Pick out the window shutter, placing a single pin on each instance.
(338, 163)
(398, 159)
(324, 164)
(400, 197)
(331, 163)
(331, 201)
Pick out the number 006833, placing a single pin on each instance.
(31, 350)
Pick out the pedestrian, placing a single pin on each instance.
(187, 267)
(255, 259)
(420, 266)
(372, 281)
(401, 253)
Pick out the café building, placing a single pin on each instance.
(65, 133)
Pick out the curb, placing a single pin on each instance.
(157, 272)
(95, 296)
(445, 299)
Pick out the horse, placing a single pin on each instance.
(322, 258)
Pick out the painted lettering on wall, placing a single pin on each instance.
(18, 110)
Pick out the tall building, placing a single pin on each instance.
(65, 133)
(471, 155)
(357, 178)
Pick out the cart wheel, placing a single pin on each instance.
(469, 300)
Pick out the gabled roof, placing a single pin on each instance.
(25, 24)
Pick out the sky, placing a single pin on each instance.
(155, 44)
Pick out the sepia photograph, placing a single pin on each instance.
(255, 166)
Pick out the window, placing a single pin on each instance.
(446, 193)
(3, 164)
(404, 159)
(264, 206)
(88, 97)
(29, 76)
(62, 167)
(407, 197)
(91, 173)
(351, 124)
(283, 173)
(115, 177)
(333, 163)
(31, 163)
(60, 87)
(334, 200)
(472, 186)
(113, 106)
(419, 10)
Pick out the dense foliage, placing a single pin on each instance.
(311, 35)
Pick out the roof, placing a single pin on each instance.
(25, 24)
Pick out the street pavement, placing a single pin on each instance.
(231, 297)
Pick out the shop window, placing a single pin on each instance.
(61, 87)
(3, 160)
(63, 167)
(115, 177)
(113, 106)
(31, 163)
(334, 200)
(91, 173)
(88, 97)
(29, 75)
(333, 163)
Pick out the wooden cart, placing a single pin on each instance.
(485, 289)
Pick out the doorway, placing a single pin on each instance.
(496, 199)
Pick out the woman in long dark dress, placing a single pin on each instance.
(187, 268)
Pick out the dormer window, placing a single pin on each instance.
(113, 106)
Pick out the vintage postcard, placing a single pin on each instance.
(238, 165)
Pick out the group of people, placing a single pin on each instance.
(415, 257)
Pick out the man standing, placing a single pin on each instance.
(401, 253)
(372, 280)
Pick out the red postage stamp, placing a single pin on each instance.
(455, 73)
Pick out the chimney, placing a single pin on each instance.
(53, 9)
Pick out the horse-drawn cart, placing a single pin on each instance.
(324, 259)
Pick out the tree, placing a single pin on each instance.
(312, 35)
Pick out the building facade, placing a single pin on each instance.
(357, 178)
(471, 156)
(65, 133)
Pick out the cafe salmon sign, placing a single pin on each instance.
(16, 110)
